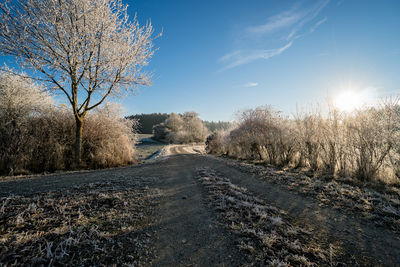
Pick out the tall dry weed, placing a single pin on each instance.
(364, 144)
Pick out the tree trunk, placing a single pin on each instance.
(78, 141)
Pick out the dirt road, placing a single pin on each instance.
(187, 231)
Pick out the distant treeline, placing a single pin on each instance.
(217, 125)
(147, 121)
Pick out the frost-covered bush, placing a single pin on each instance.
(309, 139)
(373, 137)
(364, 144)
(51, 144)
(181, 129)
(159, 132)
(108, 140)
(37, 136)
(261, 134)
(216, 142)
(20, 100)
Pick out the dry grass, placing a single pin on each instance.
(381, 206)
(101, 223)
(146, 147)
(265, 232)
(145, 151)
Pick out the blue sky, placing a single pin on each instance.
(217, 57)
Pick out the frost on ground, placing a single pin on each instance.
(99, 223)
(381, 207)
(171, 150)
(265, 234)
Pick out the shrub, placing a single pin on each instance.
(364, 145)
(160, 132)
(216, 142)
(309, 140)
(181, 129)
(51, 144)
(261, 134)
(373, 135)
(109, 140)
(20, 100)
(37, 136)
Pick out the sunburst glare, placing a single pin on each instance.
(348, 100)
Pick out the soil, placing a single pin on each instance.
(185, 230)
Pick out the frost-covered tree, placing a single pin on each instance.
(86, 49)
(181, 129)
(174, 122)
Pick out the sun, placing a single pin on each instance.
(348, 100)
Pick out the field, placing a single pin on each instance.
(184, 208)
(147, 147)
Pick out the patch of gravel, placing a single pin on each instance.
(101, 223)
(265, 233)
(381, 208)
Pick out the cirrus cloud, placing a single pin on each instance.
(287, 26)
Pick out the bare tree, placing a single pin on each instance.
(86, 49)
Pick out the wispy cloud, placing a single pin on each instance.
(282, 30)
(311, 13)
(229, 56)
(251, 84)
(275, 23)
(239, 58)
(311, 30)
(319, 23)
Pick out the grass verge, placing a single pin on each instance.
(380, 206)
(96, 224)
(264, 232)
